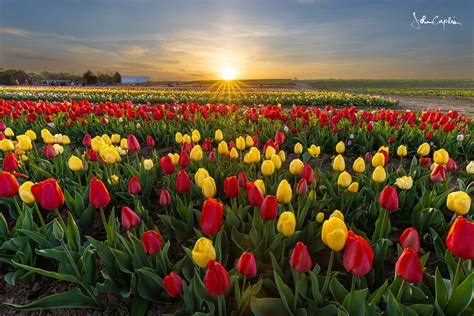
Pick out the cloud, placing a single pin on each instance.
(135, 50)
(15, 31)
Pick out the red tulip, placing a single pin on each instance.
(247, 265)
(98, 195)
(211, 216)
(269, 208)
(302, 187)
(254, 195)
(358, 255)
(388, 198)
(451, 165)
(167, 165)
(438, 174)
(408, 266)
(8, 185)
(165, 198)
(151, 241)
(216, 280)
(92, 155)
(150, 142)
(48, 194)
(129, 218)
(425, 162)
(206, 146)
(368, 157)
(300, 259)
(279, 137)
(49, 151)
(460, 237)
(132, 143)
(242, 178)
(308, 174)
(184, 160)
(173, 284)
(86, 141)
(183, 184)
(134, 186)
(212, 155)
(10, 163)
(410, 239)
(231, 187)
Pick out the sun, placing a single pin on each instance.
(228, 73)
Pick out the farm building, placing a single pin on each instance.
(134, 79)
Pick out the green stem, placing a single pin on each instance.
(328, 273)
(61, 221)
(104, 221)
(244, 283)
(40, 216)
(400, 291)
(282, 257)
(457, 275)
(17, 206)
(353, 284)
(297, 290)
(219, 304)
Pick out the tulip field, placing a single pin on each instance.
(275, 203)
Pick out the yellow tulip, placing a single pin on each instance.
(218, 136)
(320, 217)
(24, 142)
(298, 149)
(25, 192)
(441, 156)
(75, 164)
(254, 155)
(6, 145)
(247, 158)
(249, 141)
(378, 160)
(109, 154)
(282, 155)
(260, 185)
(314, 151)
(334, 233)
(186, 139)
(208, 187)
(9, 132)
(296, 166)
(354, 187)
(48, 138)
(337, 214)
(240, 143)
(115, 138)
(106, 139)
(196, 153)
(402, 151)
(195, 136)
(459, 202)
(97, 143)
(338, 164)
(222, 148)
(344, 180)
(24, 158)
(404, 183)
(276, 161)
(340, 147)
(113, 180)
(203, 251)
(424, 149)
(199, 176)
(148, 164)
(174, 157)
(123, 144)
(359, 165)
(284, 192)
(178, 138)
(267, 167)
(58, 148)
(233, 153)
(31, 134)
(270, 152)
(286, 224)
(379, 175)
(66, 140)
(470, 168)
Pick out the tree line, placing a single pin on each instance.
(20, 77)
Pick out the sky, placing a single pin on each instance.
(199, 39)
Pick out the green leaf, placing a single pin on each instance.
(139, 306)
(355, 302)
(267, 306)
(461, 297)
(50, 274)
(71, 299)
(285, 292)
(337, 290)
(149, 284)
(376, 296)
(441, 291)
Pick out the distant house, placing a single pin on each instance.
(134, 79)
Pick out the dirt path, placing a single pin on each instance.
(419, 103)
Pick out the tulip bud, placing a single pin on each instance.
(98, 195)
(132, 143)
(247, 265)
(378, 160)
(334, 233)
(424, 149)
(208, 187)
(296, 167)
(441, 156)
(148, 164)
(302, 187)
(354, 187)
(402, 151)
(203, 251)
(459, 202)
(196, 153)
(388, 198)
(470, 168)
(269, 207)
(410, 238)
(320, 217)
(218, 136)
(314, 151)
(254, 194)
(298, 149)
(308, 174)
(300, 260)
(286, 224)
(379, 175)
(358, 255)
(129, 218)
(459, 238)
(173, 284)
(242, 179)
(284, 192)
(438, 174)
(216, 279)
(151, 242)
(231, 187)
(408, 266)
(344, 180)
(338, 164)
(75, 164)
(25, 192)
(359, 165)
(451, 165)
(165, 198)
(167, 165)
(10, 163)
(261, 185)
(47, 193)
(134, 186)
(340, 147)
(267, 167)
(184, 160)
(404, 183)
(211, 216)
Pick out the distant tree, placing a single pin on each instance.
(116, 78)
(89, 78)
(13, 76)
